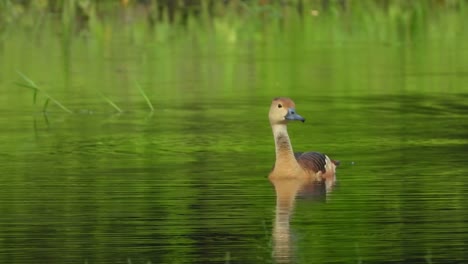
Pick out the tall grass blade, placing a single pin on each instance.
(35, 96)
(26, 86)
(46, 103)
(112, 103)
(29, 81)
(35, 91)
(32, 85)
(150, 105)
(60, 105)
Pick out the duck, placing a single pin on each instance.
(309, 167)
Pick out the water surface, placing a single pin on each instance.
(188, 183)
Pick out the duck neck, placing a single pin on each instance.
(284, 151)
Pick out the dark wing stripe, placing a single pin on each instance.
(312, 161)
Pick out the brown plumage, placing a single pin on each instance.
(308, 166)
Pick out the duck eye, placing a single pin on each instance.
(280, 105)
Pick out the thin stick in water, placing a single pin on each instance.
(150, 105)
(112, 103)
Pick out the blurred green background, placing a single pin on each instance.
(72, 48)
(137, 131)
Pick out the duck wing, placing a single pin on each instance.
(313, 161)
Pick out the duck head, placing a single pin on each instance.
(283, 110)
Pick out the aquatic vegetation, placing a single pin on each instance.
(114, 105)
(36, 90)
(235, 20)
(148, 101)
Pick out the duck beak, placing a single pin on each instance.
(292, 115)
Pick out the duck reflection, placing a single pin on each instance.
(287, 190)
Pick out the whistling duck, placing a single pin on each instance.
(309, 166)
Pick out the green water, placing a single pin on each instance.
(187, 183)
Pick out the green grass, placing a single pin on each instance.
(109, 101)
(142, 92)
(28, 83)
(399, 20)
